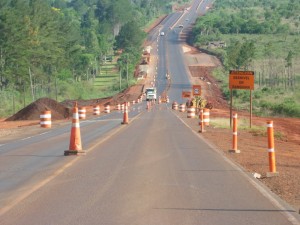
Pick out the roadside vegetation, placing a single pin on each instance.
(261, 36)
(223, 123)
(62, 49)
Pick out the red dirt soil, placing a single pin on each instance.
(33, 110)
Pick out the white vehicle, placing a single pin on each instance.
(162, 33)
(150, 94)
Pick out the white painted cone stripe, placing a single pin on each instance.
(206, 113)
(271, 150)
(206, 120)
(234, 116)
(270, 125)
(45, 122)
(75, 125)
(234, 133)
(45, 116)
(75, 116)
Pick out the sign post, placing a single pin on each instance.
(196, 90)
(241, 80)
(186, 94)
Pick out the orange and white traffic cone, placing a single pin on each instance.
(125, 117)
(271, 150)
(75, 147)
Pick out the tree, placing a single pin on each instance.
(246, 54)
(119, 13)
(130, 36)
(289, 66)
(232, 52)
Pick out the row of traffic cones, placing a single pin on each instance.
(75, 147)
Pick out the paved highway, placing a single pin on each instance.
(154, 171)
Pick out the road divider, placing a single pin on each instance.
(107, 109)
(201, 123)
(234, 135)
(96, 110)
(271, 150)
(45, 119)
(191, 111)
(175, 105)
(182, 107)
(206, 116)
(82, 113)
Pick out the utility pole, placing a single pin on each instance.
(127, 69)
(120, 79)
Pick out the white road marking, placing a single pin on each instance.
(99, 120)
(26, 138)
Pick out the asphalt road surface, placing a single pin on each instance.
(154, 171)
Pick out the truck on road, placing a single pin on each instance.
(150, 94)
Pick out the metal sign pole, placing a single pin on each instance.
(230, 107)
(250, 108)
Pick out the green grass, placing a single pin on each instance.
(108, 77)
(243, 124)
(280, 44)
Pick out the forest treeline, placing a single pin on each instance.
(241, 17)
(43, 42)
(263, 36)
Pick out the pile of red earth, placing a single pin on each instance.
(33, 111)
(130, 94)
